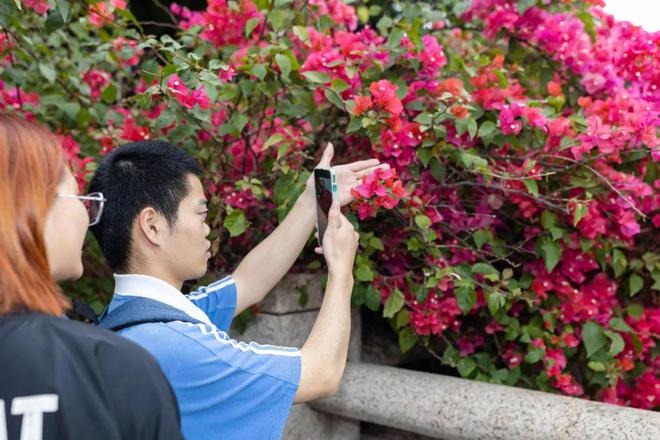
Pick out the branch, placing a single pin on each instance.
(604, 179)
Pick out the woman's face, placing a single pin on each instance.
(66, 226)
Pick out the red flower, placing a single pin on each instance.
(459, 111)
(362, 104)
(554, 88)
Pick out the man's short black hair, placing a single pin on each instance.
(132, 177)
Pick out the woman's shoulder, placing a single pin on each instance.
(84, 339)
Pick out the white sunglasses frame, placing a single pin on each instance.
(95, 196)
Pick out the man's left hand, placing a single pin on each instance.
(349, 176)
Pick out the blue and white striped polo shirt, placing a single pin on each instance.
(225, 388)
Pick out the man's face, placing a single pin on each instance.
(188, 249)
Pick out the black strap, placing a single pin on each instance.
(84, 310)
(141, 311)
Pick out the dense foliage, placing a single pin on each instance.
(516, 235)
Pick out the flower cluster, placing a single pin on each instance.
(185, 97)
(512, 233)
(380, 188)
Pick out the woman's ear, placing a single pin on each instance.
(152, 225)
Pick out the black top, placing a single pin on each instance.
(61, 379)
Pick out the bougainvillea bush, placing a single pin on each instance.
(516, 235)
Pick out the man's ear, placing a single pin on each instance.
(152, 225)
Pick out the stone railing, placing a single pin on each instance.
(450, 408)
(429, 404)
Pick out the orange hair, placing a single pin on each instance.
(31, 166)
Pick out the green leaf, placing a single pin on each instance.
(484, 268)
(48, 71)
(619, 325)
(363, 14)
(109, 94)
(317, 77)
(6, 12)
(339, 85)
(235, 222)
(551, 252)
(422, 221)
(619, 262)
(128, 15)
(395, 37)
(64, 9)
(274, 139)
(284, 63)
(548, 219)
(258, 70)
(495, 302)
(425, 155)
(580, 211)
(532, 186)
(372, 298)
(524, 5)
(302, 34)
(393, 304)
(334, 98)
(466, 366)
(635, 284)
(596, 366)
(593, 337)
(53, 22)
(376, 243)
(617, 345)
(487, 129)
(472, 127)
(534, 355)
(402, 318)
(276, 18)
(466, 297)
(635, 310)
(70, 109)
(354, 125)
(407, 339)
(481, 237)
(364, 273)
(556, 233)
(250, 25)
(168, 70)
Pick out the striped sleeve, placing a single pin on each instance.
(218, 301)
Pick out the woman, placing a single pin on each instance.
(61, 379)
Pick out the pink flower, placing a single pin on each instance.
(39, 6)
(227, 75)
(384, 97)
(97, 80)
(468, 344)
(512, 357)
(432, 56)
(185, 97)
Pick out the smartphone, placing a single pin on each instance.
(325, 183)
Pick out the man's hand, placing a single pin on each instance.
(349, 176)
(340, 244)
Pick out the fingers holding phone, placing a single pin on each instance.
(340, 242)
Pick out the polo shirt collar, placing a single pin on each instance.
(145, 286)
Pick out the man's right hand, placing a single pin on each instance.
(325, 351)
(340, 243)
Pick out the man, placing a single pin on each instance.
(153, 235)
